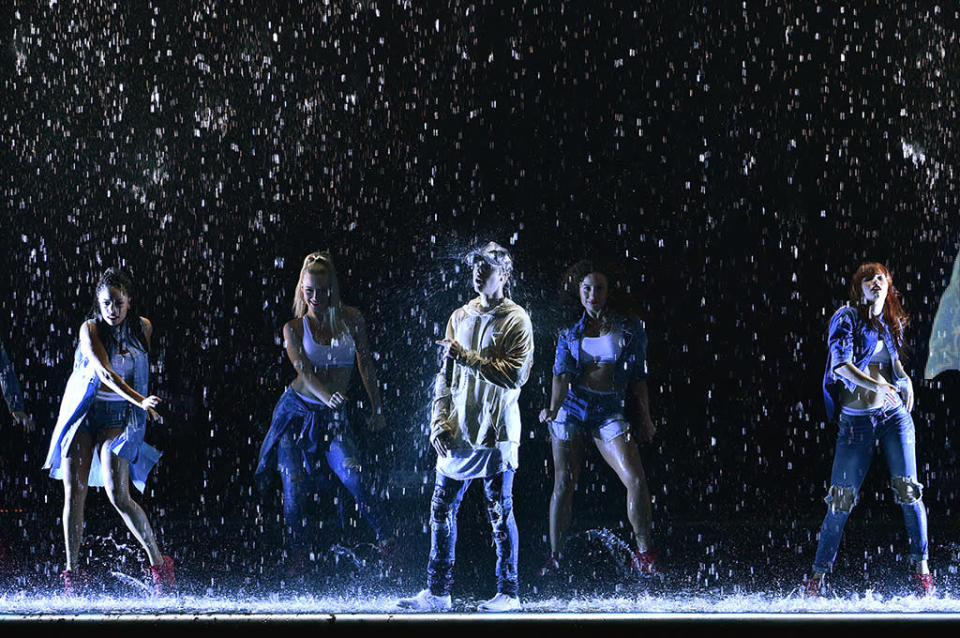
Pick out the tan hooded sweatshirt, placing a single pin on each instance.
(478, 406)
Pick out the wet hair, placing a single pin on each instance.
(618, 299)
(314, 263)
(494, 255)
(894, 316)
(120, 279)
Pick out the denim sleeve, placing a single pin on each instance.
(9, 384)
(563, 362)
(840, 342)
(640, 372)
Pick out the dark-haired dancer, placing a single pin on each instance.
(98, 439)
(488, 349)
(309, 433)
(601, 358)
(869, 393)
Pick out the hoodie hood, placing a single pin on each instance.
(474, 308)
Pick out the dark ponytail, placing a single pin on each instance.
(118, 278)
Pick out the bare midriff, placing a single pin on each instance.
(862, 398)
(334, 378)
(597, 377)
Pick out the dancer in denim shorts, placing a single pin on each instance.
(600, 361)
(309, 441)
(99, 436)
(868, 393)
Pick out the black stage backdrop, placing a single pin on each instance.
(739, 161)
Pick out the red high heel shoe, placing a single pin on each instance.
(75, 581)
(645, 563)
(164, 581)
(923, 585)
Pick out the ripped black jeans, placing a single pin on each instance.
(447, 495)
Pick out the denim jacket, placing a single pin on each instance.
(850, 339)
(79, 395)
(631, 365)
(9, 384)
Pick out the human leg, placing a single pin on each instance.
(567, 462)
(444, 506)
(854, 451)
(295, 489)
(76, 470)
(342, 457)
(898, 440)
(498, 490)
(622, 455)
(116, 480)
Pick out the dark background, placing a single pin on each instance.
(738, 161)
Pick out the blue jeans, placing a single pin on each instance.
(311, 447)
(447, 496)
(857, 437)
(299, 486)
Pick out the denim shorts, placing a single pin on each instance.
(588, 412)
(104, 415)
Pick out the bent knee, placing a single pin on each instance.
(841, 498)
(564, 484)
(906, 490)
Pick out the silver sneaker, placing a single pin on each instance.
(500, 603)
(425, 601)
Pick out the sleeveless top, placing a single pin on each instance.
(340, 353)
(605, 349)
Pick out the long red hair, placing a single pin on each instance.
(894, 316)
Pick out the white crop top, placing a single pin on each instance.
(339, 353)
(881, 356)
(122, 364)
(605, 349)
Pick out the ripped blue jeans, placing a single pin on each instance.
(311, 446)
(447, 496)
(858, 435)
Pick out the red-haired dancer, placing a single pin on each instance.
(870, 396)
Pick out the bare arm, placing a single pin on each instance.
(853, 374)
(904, 384)
(558, 391)
(92, 348)
(293, 343)
(641, 397)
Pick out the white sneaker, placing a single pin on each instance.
(500, 602)
(425, 601)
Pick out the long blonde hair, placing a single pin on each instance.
(315, 263)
